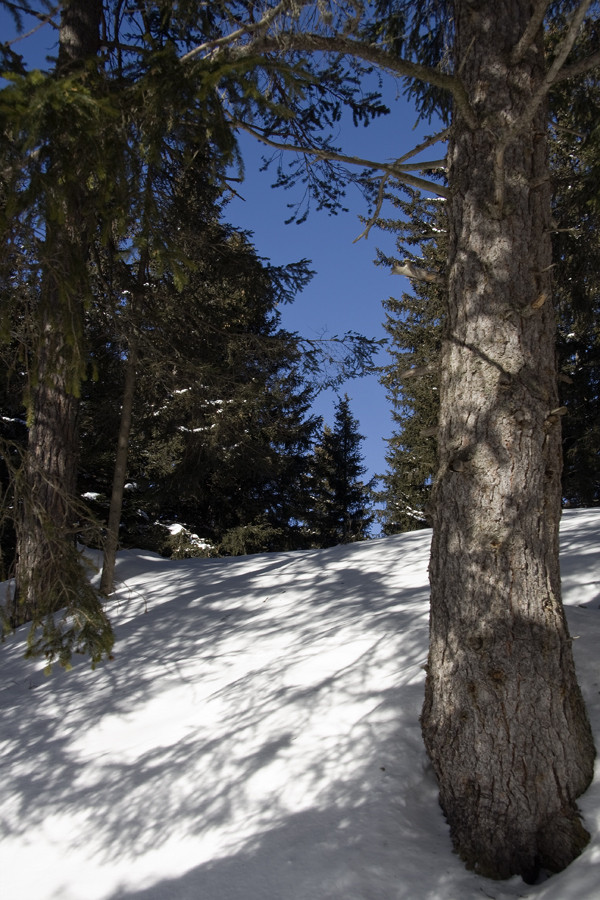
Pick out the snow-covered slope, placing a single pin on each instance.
(256, 737)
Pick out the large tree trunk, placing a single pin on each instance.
(503, 721)
(47, 516)
(47, 561)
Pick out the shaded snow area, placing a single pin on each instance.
(256, 737)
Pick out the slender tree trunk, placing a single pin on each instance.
(503, 721)
(119, 475)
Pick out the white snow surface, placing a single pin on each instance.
(256, 736)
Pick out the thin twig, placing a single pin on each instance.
(43, 20)
(251, 28)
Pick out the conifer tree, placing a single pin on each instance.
(221, 429)
(414, 321)
(414, 324)
(501, 683)
(498, 636)
(92, 146)
(341, 501)
(54, 191)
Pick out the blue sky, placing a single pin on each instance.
(347, 290)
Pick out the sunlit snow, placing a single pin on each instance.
(256, 736)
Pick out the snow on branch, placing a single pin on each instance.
(409, 270)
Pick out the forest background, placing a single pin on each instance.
(111, 238)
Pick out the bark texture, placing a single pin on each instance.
(48, 572)
(45, 526)
(503, 721)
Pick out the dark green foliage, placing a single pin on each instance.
(414, 323)
(576, 250)
(421, 32)
(341, 501)
(221, 431)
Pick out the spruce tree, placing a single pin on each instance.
(498, 636)
(92, 148)
(221, 429)
(414, 324)
(341, 500)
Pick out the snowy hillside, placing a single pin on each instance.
(256, 737)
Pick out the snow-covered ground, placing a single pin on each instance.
(256, 737)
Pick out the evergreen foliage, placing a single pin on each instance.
(341, 501)
(414, 323)
(575, 161)
(221, 428)
(92, 154)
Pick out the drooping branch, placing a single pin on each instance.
(260, 38)
(397, 171)
(378, 204)
(342, 45)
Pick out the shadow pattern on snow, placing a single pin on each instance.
(256, 736)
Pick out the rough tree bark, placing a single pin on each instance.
(504, 721)
(45, 526)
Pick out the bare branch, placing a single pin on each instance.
(380, 198)
(416, 372)
(43, 20)
(530, 32)
(432, 164)
(428, 142)
(428, 164)
(579, 68)
(332, 156)
(566, 45)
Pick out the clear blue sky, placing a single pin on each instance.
(347, 290)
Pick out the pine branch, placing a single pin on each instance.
(332, 156)
(309, 42)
